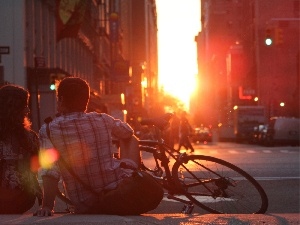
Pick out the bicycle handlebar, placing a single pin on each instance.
(160, 122)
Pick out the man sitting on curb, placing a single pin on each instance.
(84, 144)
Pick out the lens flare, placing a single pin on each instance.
(48, 157)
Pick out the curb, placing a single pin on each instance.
(182, 219)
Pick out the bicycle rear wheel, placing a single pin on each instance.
(219, 186)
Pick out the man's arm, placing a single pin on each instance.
(49, 193)
(129, 149)
(50, 178)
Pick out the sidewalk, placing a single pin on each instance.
(145, 219)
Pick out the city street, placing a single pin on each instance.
(276, 169)
(218, 72)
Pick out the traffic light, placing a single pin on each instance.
(53, 80)
(268, 37)
(278, 36)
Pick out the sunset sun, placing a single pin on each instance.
(178, 24)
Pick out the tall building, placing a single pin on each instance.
(140, 41)
(236, 67)
(278, 63)
(110, 43)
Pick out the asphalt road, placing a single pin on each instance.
(276, 169)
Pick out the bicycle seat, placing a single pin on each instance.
(161, 122)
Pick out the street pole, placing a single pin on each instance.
(39, 63)
(37, 99)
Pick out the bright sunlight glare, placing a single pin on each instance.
(178, 24)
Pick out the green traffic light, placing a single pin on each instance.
(52, 87)
(268, 41)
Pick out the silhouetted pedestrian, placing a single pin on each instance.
(184, 133)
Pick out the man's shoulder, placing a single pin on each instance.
(79, 116)
(93, 114)
(104, 116)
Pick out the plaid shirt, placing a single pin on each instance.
(84, 140)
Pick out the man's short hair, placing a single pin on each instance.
(75, 92)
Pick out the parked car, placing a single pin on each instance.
(282, 130)
(201, 134)
(259, 133)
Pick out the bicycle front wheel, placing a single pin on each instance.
(218, 186)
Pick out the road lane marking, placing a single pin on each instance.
(267, 151)
(199, 198)
(251, 151)
(233, 152)
(276, 178)
(286, 151)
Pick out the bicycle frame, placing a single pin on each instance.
(159, 149)
(199, 175)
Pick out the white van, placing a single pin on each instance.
(283, 130)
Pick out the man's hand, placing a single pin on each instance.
(44, 211)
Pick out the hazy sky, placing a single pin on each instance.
(178, 24)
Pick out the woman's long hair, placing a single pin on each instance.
(14, 121)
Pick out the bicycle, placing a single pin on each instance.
(212, 184)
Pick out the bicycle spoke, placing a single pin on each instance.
(219, 187)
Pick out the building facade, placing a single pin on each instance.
(110, 43)
(236, 67)
(278, 64)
